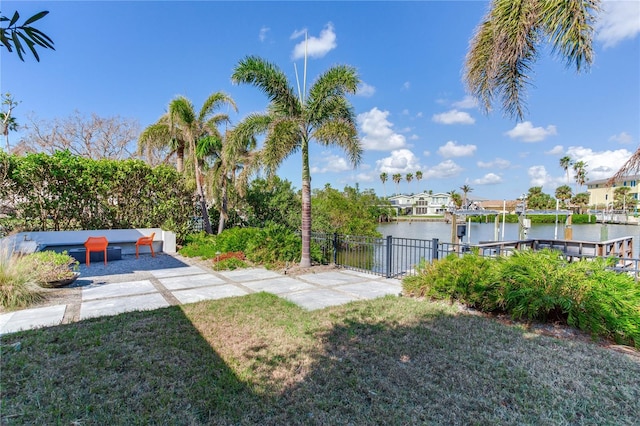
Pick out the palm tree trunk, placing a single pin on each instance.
(180, 158)
(223, 208)
(203, 203)
(305, 258)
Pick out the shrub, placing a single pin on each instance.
(274, 244)
(50, 268)
(17, 289)
(539, 285)
(229, 263)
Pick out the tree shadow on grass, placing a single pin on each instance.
(136, 368)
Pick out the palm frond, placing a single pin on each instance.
(342, 133)
(214, 102)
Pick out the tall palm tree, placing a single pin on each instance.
(465, 190)
(580, 169)
(384, 177)
(565, 163)
(195, 129)
(161, 137)
(409, 178)
(323, 114)
(397, 178)
(508, 41)
(418, 178)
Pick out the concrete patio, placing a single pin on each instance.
(152, 283)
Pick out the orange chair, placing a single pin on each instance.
(96, 244)
(145, 241)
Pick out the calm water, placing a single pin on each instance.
(485, 232)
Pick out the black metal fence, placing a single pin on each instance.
(394, 257)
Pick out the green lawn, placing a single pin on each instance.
(261, 360)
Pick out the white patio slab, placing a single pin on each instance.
(208, 293)
(118, 305)
(176, 272)
(371, 289)
(253, 274)
(279, 286)
(118, 290)
(331, 278)
(319, 298)
(32, 318)
(191, 281)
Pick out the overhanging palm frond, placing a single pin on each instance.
(213, 103)
(342, 133)
(282, 140)
(270, 79)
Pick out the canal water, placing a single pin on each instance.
(486, 232)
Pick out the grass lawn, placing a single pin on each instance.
(261, 360)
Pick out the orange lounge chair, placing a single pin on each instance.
(96, 244)
(145, 241)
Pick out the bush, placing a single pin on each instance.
(50, 268)
(17, 289)
(539, 285)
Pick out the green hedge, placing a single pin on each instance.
(537, 218)
(540, 285)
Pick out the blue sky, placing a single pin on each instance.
(131, 58)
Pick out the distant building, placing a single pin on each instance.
(423, 204)
(602, 195)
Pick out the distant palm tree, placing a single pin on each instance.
(384, 177)
(418, 179)
(409, 178)
(504, 47)
(455, 198)
(465, 190)
(565, 163)
(564, 193)
(580, 169)
(397, 178)
(292, 121)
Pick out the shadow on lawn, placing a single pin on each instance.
(156, 368)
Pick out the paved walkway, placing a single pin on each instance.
(145, 284)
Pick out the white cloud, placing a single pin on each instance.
(622, 138)
(331, 163)
(556, 150)
(316, 47)
(538, 176)
(406, 85)
(377, 131)
(488, 179)
(619, 20)
(467, 103)
(446, 169)
(414, 137)
(527, 133)
(365, 90)
(600, 164)
(263, 33)
(400, 161)
(405, 112)
(453, 117)
(426, 153)
(452, 149)
(498, 163)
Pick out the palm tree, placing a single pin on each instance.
(456, 199)
(161, 137)
(383, 177)
(418, 178)
(196, 129)
(508, 41)
(409, 178)
(291, 122)
(9, 124)
(465, 190)
(564, 193)
(565, 163)
(397, 178)
(579, 167)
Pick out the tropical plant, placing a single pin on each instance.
(397, 178)
(383, 178)
(538, 200)
(465, 190)
(631, 167)
(12, 33)
(409, 177)
(620, 196)
(508, 41)
(17, 289)
(581, 200)
(565, 163)
(580, 169)
(51, 269)
(291, 122)
(418, 178)
(564, 193)
(456, 199)
(9, 123)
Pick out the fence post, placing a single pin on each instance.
(389, 254)
(335, 248)
(434, 249)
